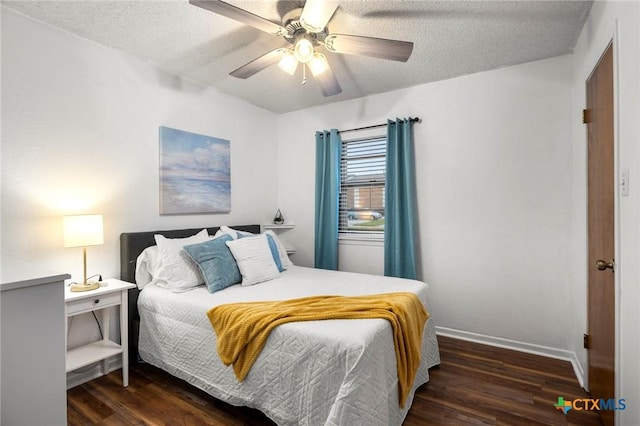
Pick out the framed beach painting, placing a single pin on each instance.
(195, 173)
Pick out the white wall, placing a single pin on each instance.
(493, 156)
(618, 21)
(80, 135)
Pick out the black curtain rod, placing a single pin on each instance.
(413, 120)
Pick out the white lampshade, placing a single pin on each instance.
(318, 64)
(83, 230)
(303, 50)
(288, 63)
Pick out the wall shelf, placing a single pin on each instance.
(274, 226)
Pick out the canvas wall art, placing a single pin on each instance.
(195, 173)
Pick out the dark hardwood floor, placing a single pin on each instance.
(474, 385)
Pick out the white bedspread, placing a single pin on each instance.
(332, 372)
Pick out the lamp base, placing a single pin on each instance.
(85, 286)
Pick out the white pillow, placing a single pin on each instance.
(282, 252)
(254, 259)
(178, 271)
(147, 266)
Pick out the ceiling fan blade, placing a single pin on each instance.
(328, 82)
(240, 15)
(394, 50)
(259, 64)
(316, 14)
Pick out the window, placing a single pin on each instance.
(362, 181)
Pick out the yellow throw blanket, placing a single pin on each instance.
(243, 328)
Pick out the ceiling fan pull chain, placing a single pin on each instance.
(304, 73)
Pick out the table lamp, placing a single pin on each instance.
(83, 231)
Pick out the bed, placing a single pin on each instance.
(329, 372)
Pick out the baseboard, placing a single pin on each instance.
(93, 371)
(515, 345)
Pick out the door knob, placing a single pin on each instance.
(603, 265)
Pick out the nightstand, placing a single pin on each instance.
(114, 293)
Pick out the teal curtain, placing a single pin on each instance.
(400, 202)
(328, 146)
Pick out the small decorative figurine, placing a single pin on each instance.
(278, 219)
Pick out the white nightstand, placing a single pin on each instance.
(115, 293)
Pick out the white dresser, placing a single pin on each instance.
(32, 352)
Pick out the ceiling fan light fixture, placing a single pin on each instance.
(303, 50)
(304, 29)
(318, 64)
(288, 63)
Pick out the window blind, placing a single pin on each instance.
(362, 183)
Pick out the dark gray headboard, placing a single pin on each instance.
(131, 246)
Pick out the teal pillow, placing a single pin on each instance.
(216, 262)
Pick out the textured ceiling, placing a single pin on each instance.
(451, 38)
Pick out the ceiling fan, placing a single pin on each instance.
(305, 31)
